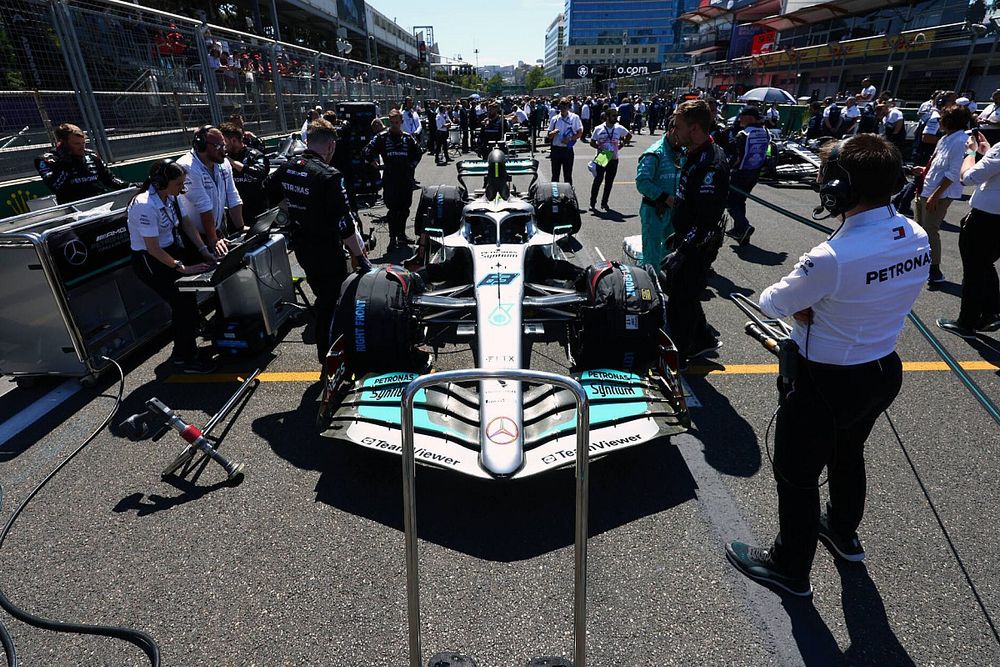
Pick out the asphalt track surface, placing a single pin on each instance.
(303, 563)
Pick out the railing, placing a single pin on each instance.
(139, 80)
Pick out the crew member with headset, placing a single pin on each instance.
(153, 219)
(698, 228)
(321, 222)
(250, 168)
(209, 190)
(400, 155)
(748, 154)
(849, 297)
(72, 172)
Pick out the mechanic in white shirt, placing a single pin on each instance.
(443, 123)
(849, 297)
(411, 119)
(153, 219)
(942, 182)
(989, 118)
(931, 132)
(608, 139)
(868, 91)
(893, 124)
(209, 189)
(852, 113)
(979, 243)
(565, 129)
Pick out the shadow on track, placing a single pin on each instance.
(493, 520)
(873, 641)
(730, 442)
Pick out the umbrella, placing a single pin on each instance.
(767, 95)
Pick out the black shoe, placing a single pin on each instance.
(756, 563)
(952, 326)
(605, 206)
(848, 548)
(404, 240)
(393, 244)
(935, 277)
(194, 366)
(989, 324)
(593, 206)
(741, 236)
(709, 346)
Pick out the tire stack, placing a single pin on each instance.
(362, 181)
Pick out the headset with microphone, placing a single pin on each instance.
(200, 141)
(837, 193)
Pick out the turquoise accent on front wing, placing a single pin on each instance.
(596, 384)
(388, 388)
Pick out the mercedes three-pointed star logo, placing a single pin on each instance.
(75, 252)
(501, 430)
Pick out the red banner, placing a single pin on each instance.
(763, 43)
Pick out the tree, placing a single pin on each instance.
(536, 78)
(495, 84)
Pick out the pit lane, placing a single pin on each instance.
(302, 564)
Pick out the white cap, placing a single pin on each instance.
(963, 101)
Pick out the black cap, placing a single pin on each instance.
(750, 111)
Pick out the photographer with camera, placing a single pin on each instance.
(849, 297)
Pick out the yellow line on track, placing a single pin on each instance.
(732, 369)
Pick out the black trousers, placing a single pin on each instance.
(685, 316)
(606, 174)
(441, 144)
(183, 306)
(465, 139)
(979, 245)
(397, 192)
(562, 160)
(586, 128)
(824, 420)
(325, 268)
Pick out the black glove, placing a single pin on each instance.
(671, 263)
(661, 204)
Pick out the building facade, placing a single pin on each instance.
(643, 33)
(555, 37)
(908, 49)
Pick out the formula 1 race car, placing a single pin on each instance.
(498, 281)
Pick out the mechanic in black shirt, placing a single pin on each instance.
(250, 168)
(400, 154)
(702, 191)
(321, 222)
(72, 172)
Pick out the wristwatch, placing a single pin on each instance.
(178, 265)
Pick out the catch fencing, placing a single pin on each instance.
(141, 81)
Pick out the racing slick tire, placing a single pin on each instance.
(620, 323)
(440, 207)
(556, 205)
(375, 316)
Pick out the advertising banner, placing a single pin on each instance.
(589, 71)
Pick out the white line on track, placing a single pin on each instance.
(29, 415)
(689, 396)
(599, 253)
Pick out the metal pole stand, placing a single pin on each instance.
(582, 496)
(199, 440)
